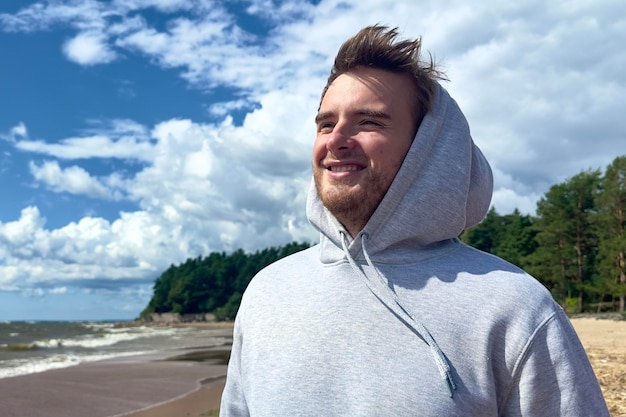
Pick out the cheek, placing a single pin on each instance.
(319, 151)
(389, 158)
(401, 149)
(382, 152)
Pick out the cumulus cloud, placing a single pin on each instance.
(205, 188)
(8, 279)
(224, 108)
(89, 249)
(89, 49)
(74, 180)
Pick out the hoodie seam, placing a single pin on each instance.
(523, 356)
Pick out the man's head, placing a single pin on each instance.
(375, 99)
(378, 47)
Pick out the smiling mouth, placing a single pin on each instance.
(343, 168)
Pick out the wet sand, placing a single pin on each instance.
(110, 388)
(201, 403)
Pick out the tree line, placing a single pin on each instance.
(575, 246)
(576, 243)
(213, 284)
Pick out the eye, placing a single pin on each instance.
(371, 123)
(325, 127)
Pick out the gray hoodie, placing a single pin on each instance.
(404, 319)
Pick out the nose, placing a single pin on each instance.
(339, 139)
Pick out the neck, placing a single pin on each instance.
(353, 228)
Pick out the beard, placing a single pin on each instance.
(351, 204)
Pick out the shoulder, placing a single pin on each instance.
(553, 361)
(284, 273)
(466, 261)
(304, 257)
(487, 260)
(502, 290)
(498, 271)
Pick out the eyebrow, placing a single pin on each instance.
(323, 116)
(365, 112)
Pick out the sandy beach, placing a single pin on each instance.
(605, 343)
(190, 382)
(106, 388)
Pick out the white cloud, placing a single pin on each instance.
(90, 249)
(204, 188)
(9, 278)
(74, 180)
(166, 6)
(89, 49)
(27, 227)
(33, 292)
(224, 108)
(15, 133)
(209, 50)
(40, 16)
(118, 128)
(122, 139)
(544, 106)
(277, 11)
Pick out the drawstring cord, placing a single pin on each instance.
(442, 363)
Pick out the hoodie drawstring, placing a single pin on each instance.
(442, 363)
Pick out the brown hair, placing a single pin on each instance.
(376, 47)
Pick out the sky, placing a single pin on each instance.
(135, 134)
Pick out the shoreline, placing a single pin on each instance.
(103, 389)
(125, 385)
(202, 402)
(34, 347)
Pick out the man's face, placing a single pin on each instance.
(365, 126)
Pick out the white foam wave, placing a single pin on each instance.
(92, 325)
(37, 365)
(112, 337)
(47, 344)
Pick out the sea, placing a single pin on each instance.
(28, 347)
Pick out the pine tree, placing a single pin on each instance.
(566, 238)
(612, 222)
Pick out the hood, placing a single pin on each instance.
(443, 187)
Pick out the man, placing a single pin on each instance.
(390, 315)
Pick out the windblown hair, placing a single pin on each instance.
(377, 47)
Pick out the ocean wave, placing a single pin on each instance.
(98, 325)
(111, 337)
(16, 347)
(36, 365)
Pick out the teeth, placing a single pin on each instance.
(344, 168)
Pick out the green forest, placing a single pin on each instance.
(575, 246)
(213, 284)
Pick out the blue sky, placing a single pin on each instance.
(137, 133)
